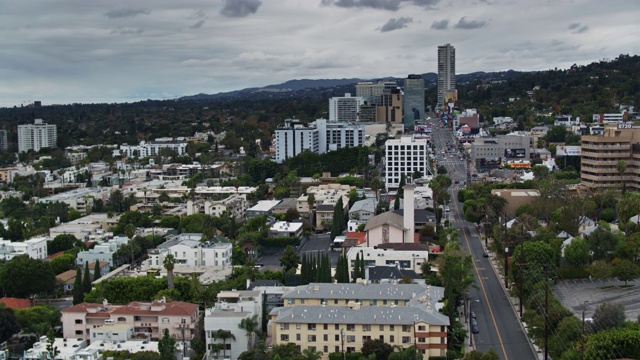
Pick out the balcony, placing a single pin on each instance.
(606, 154)
(605, 146)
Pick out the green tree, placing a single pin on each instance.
(8, 323)
(223, 335)
(337, 223)
(342, 269)
(96, 271)
(51, 349)
(38, 319)
(289, 259)
(625, 270)
(608, 316)
(169, 264)
(63, 242)
(167, 346)
(625, 341)
(62, 263)
(602, 242)
(86, 279)
(379, 348)
(78, 293)
(308, 354)
(577, 253)
(569, 331)
(250, 325)
(23, 276)
(599, 269)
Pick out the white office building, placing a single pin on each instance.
(404, 156)
(345, 108)
(337, 135)
(37, 136)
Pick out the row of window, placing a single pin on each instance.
(352, 327)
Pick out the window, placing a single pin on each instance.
(336, 337)
(284, 337)
(381, 338)
(351, 327)
(165, 320)
(298, 326)
(442, 340)
(421, 328)
(301, 301)
(336, 327)
(284, 326)
(392, 339)
(366, 327)
(336, 349)
(325, 326)
(291, 301)
(78, 321)
(351, 338)
(366, 338)
(311, 338)
(335, 301)
(78, 332)
(298, 337)
(406, 339)
(351, 349)
(381, 327)
(392, 328)
(311, 326)
(406, 328)
(325, 349)
(421, 339)
(325, 337)
(372, 302)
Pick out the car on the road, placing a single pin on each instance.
(472, 315)
(456, 182)
(474, 325)
(485, 255)
(446, 209)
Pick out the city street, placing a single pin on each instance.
(499, 326)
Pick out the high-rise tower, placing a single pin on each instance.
(413, 100)
(446, 72)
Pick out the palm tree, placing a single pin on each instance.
(308, 354)
(250, 325)
(215, 349)
(223, 335)
(169, 263)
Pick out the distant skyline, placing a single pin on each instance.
(74, 51)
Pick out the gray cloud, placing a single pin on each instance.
(395, 24)
(126, 12)
(240, 8)
(578, 28)
(465, 24)
(197, 25)
(440, 24)
(127, 31)
(391, 5)
(198, 14)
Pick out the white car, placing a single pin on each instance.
(446, 209)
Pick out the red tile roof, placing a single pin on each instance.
(53, 256)
(15, 303)
(68, 277)
(158, 307)
(361, 236)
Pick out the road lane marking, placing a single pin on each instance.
(484, 292)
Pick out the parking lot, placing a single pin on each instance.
(573, 294)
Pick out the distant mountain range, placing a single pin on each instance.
(309, 87)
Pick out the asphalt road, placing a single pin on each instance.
(498, 323)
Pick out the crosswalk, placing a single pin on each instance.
(451, 162)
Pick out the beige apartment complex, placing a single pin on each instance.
(342, 317)
(601, 154)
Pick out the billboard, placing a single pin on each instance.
(562, 150)
(490, 162)
(515, 153)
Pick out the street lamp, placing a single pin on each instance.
(183, 326)
(584, 308)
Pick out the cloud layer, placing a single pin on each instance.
(113, 51)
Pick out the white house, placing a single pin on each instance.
(188, 250)
(35, 248)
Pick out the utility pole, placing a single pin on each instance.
(521, 265)
(506, 253)
(584, 308)
(485, 224)
(546, 314)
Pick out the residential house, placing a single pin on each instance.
(286, 229)
(35, 248)
(363, 209)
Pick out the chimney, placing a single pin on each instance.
(409, 208)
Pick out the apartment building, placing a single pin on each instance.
(230, 309)
(446, 72)
(293, 137)
(325, 198)
(35, 248)
(102, 252)
(37, 136)
(601, 154)
(235, 204)
(188, 250)
(152, 148)
(341, 317)
(406, 260)
(404, 156)
(4, 142)
(149, 320)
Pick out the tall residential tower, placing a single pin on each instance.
(446, 74)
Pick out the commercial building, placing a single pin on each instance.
(413, 100)
(149, 320)
(345, 108)
(341, 317)
(37, 136)
(487, 153)
(614, 118)
(371, 91)
(405, 156)
(600, 155)
(389, 110)
(446, 72)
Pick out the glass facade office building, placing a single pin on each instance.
(413, 101)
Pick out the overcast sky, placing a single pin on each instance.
(68, 51)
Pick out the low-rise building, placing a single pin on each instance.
(263, 207)
(406, 260)
(35, 248)
(102, 252)
(149, 320)
(286, 229)
(363, 209)
(188, 250)
(235, 204)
